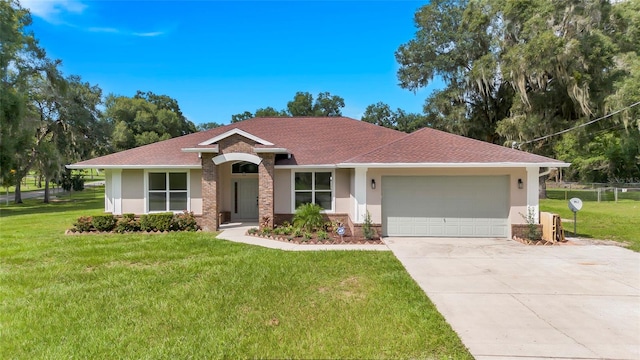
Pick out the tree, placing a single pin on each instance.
(328, 105)
(208, 126)
(239, 117)
(301, 105)
(379, 114)
(144, 119)
(269, 112)
(20, 58)
(382, 115)
(515, 71)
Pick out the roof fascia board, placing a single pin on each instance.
(132, 167)
(201, 150)
(271, 150)
(452, 165)
(235, 132)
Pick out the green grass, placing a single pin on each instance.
(191, 295)
(601, 220)
(30, 183)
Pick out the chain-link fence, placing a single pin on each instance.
(594, 191)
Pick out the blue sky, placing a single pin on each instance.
(221, 58)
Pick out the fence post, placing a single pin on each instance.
(615, 194)
(599, 190)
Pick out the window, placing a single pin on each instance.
(313, 187)
(168, 191)
(244, 168)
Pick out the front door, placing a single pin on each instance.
(245, 199)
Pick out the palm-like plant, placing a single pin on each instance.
(308, 217)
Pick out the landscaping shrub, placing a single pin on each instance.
(104, 222)
(126, 223)
(156, 222)
(322, 235)
(185, 221)
(367, 230)
(83, 224)
(308, 217)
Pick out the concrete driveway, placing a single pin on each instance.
(508, 300)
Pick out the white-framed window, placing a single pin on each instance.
(313, 187)
(167, 191)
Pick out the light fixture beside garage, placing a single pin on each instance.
(373, 184)
(520, 184)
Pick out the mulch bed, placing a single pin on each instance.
(332, 240)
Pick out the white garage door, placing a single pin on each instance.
(445, 206)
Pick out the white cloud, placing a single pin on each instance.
(104, 30)
(149, 34)
(52, 10)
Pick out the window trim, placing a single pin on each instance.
(313, 172)
(167, 191)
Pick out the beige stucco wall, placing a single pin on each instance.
(195, 191)
(133, 191)
(342, 185)
(282, 191)
(517, 198)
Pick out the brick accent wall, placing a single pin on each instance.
(210, 187)
(236, 144)
(209, 193)
(265, 190)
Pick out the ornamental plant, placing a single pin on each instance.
(308, 217)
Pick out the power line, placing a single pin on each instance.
(579, 126)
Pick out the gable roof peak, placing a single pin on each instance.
(235, 131)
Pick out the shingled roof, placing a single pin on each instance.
(430, 146)
(323, 141)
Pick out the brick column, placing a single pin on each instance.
(209, 193)
(265, 189)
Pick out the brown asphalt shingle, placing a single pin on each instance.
(327, 141)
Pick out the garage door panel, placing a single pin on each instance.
(448, 206)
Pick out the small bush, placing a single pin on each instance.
(307, 235)
(156, 222)
(252, 231)
(297, 232)
(287, 230)
(126, 223)
(367, 230)
(104, 222)
(322, 235)
(84, 224)
(185, 221)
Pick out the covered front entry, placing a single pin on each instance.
(244, 199)
(445, 206)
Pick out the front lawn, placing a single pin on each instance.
(601, 220)
(191, 295)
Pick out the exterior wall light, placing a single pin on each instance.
(520, 184)
(373, 184)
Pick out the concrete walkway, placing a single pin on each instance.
(511, 301)
(236, 232)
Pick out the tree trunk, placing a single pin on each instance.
(18, 194)
(39, 181)
(542, 189)
(46, 190)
